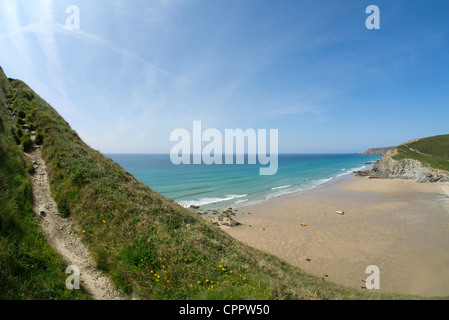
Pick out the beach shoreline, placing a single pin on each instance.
(217, 187)
(401, 226)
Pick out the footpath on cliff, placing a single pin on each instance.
(60, 234)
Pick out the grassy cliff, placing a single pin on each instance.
(431, 151)
(376, 151)
(426, 160)
(150, 246)
(29, 268)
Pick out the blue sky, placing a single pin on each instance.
(137, 70)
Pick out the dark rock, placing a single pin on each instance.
(234, 223)
(363, 173)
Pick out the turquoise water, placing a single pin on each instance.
(218, 186)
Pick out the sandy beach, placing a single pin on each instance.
(401, 226)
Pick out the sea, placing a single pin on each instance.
(224, 185)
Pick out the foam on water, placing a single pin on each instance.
(205, 201)
(282, 187)
(218, 186)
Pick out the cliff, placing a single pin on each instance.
(426, 160)
(376, 151)
(29, 268)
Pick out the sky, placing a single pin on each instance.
(136, 70)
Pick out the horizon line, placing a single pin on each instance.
(224, 154)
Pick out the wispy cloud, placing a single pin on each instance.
(138, 68)
(42, 13)
(10, 24)
(45, 32)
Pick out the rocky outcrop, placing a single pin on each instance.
(223, 218)
(376, 151)
(387, 167)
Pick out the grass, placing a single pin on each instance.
(431, 151)
(150, 246)
(29, 268)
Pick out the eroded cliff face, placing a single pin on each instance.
(387, 167)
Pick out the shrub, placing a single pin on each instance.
(26, 143)
(15, 137)
(63, 205)
(25, 93)
(31, 169)
(39, 139)
(22, 114)
(79, 176)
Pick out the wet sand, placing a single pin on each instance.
(401, 226)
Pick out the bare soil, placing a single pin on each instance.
(60, 233)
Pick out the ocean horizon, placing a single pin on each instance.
(218, 186)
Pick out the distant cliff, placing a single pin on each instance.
(376, 151)
(426, 160)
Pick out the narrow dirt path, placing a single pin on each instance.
(59, 233)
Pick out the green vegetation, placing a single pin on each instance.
(150, 246)
(29, 268)
(432, 151)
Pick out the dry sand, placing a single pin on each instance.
(401, 226)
